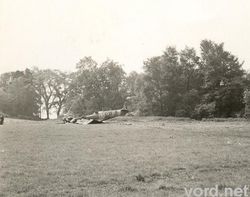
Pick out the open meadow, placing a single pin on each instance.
(124, 157)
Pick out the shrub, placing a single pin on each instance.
(181, 113)
(204, 111)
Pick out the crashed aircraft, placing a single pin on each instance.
(98, 117)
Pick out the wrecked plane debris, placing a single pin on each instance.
(98, 117)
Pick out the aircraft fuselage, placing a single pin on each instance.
(105, 115)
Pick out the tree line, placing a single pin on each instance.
(175, 83)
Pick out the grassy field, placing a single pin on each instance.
(124, 157)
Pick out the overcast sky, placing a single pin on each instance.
(57, 33)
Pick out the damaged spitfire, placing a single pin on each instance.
(97, 117)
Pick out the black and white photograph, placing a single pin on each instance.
(124, 98)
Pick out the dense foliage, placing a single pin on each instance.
(96, 87)
(184, 84)
(176, 83)
(18, 96)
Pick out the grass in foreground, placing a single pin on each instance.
(146, 157)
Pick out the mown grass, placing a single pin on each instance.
(145, 157)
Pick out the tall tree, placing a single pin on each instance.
(192, 81)
(60, 86)
(112, 85)
(18, 95)
(155, 89)
(190, 64)
(223, 79)
(44, 85)
(163, 82)
(136, 100)
(96, 87)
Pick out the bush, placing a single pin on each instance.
(204, 111)
(181, 113)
